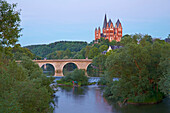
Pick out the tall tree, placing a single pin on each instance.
(99, 62)
(138, 67)
(9, 24)
(103, 48)
(93, 52)
(87, 50)
(67, 53)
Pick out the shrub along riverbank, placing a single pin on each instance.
(78, 76)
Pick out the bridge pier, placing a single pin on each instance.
(86, 73)
(58, 73)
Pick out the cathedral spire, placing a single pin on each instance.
(118, 23)
(105, 22)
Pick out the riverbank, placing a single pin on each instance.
(70, 84)
(154, 99)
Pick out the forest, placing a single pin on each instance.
(57, 50)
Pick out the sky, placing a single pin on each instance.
(47, 21)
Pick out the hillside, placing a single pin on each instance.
(46, 49)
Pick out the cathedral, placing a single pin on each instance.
(109, 31)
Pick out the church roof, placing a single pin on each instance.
(117, 23)
(109, 22)
(105, 22)
(104, 52)
(116, 47)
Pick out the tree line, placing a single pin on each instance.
(23, 87)
(57, 50)
(69, 49)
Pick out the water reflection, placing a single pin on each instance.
(74, 92)
(90, 100)
(81, 100)
(56, 101)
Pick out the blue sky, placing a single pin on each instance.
(47, 21)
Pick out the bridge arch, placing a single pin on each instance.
(68, 63)
(41, 65)
(48, 69)
(88, 65)
(89, 69)
(65, 68)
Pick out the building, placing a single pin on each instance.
(111, 48)
(109, 31)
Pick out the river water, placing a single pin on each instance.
(90, 100)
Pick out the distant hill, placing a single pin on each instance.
(45, 49)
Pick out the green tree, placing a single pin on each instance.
(34, 71)
(87, 50)
(138, 67)
(99, 62)
(59, 54)
(164, 83)
(21, 87)
(77, 75)
(103, 48)
(126, 35)
(78, 55)
(103, 41)
(127, 39)
(112, 43)
(9, 24)
(19, 52)
(67, 53)
(52, 55)
(93, 52)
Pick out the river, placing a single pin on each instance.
(90, 100)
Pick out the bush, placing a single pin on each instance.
(102, 81)
(24, 89)
(154, 98)
(77, 75)
(92, 83)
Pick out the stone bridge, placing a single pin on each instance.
(60, 63)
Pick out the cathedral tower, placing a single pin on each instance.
(109, 31)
